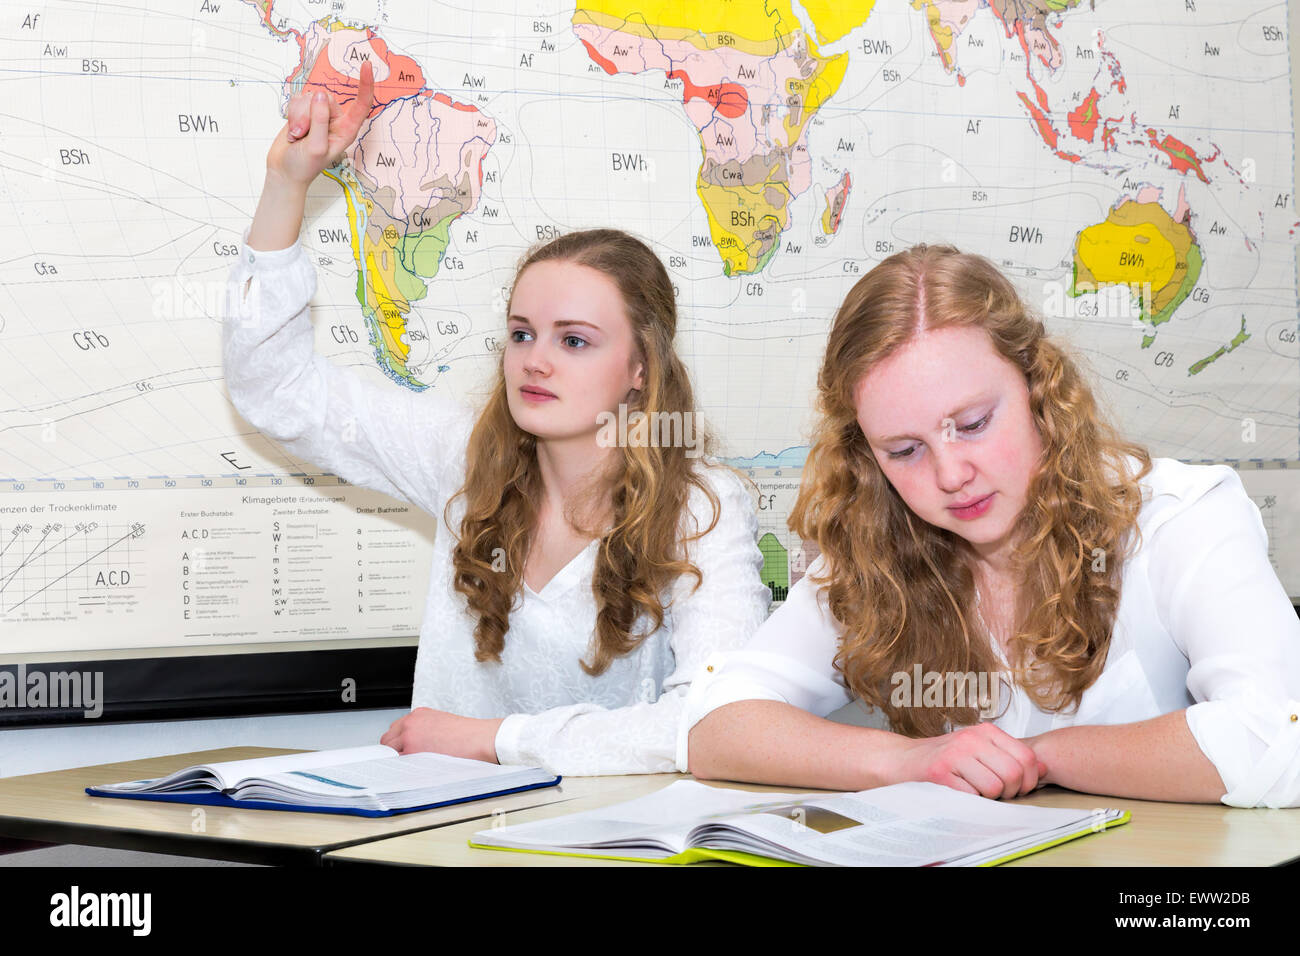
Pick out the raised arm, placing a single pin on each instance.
(388, 438)
(316, 132)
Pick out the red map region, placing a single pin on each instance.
(405, 78)
(1045, 129)
(1181, 156)
(1041, 94)
(835, 224)
(605, 64)
(1083, 121)
(448, 101)
(729, 99)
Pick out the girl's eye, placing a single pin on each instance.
(904, 453)
(979, 425)
(574, 341)
(518, 335)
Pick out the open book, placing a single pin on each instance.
(907, 824)
(367, 781)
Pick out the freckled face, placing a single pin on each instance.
(949, 423)
(570, 351)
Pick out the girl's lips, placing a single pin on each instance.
(536, 394)
(973, 510)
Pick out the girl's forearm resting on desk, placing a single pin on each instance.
(425, 729)
(786, 746)
(1156, 759)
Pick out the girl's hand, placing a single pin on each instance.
(317, 131)
(424, 729)
(314, 136)
(980, 759)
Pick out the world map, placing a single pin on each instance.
(1130, 169)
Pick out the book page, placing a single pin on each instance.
(914, 824)
(233, 772)
(228, 774)
(661, 818)
(390, 774)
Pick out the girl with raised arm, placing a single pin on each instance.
(578, 582)
(1028, 598)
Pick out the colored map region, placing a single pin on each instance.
(416, 166)
(1129, 167)
(1141, 246)
(833, 20)
(1237, 340)
(752, 81)
(837, 197)
(1030, 24)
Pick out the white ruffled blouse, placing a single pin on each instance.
(412, 446)
(1203, 624)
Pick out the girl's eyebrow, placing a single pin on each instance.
(562, 323)
(954, 415)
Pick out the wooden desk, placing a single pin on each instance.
(1172, 834)
(1159, 834)
(54, 808)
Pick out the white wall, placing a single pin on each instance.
(35, 750)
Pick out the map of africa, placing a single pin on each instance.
(1131, 170)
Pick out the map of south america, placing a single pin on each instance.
(417, 166)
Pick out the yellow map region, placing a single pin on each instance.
(378, 274)
(1139, 245)
(748, 210)
(764, 26)
(1134, 254)
(834, 20)
(941, 33)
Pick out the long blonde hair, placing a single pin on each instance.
(642, 553)
(903, 590)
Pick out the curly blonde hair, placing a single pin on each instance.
(904, 590)
(642, 553)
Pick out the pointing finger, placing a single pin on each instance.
(361, 103)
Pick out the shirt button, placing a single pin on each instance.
(710, 670)
(252, 258)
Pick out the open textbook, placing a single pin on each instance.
(907, 824)
(367, 781)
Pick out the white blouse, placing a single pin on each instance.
(412, 446)
(1203, 624)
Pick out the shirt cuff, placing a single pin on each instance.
(1232, 735)
(253, 261)
(507, 740)
(709, 691)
